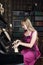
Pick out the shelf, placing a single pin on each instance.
(39, 23)
(39, 13)
(40, 34)
(39, 29)
(38, 18)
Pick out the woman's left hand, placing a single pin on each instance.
(16, 45)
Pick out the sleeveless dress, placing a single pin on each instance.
(30, 54)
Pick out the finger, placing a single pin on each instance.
(17, 40)
(13, 47)
(14, 42)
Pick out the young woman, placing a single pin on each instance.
(30, 51)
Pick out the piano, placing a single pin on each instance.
(9, 56)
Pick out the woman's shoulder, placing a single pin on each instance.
(34, 32)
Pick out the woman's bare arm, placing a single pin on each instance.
(30, 45)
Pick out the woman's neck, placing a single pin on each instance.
(27, 33)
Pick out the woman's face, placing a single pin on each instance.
(24, 26)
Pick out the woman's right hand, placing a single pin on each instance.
(16, 41)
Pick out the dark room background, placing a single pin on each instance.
(16, 10)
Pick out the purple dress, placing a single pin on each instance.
(30, 55)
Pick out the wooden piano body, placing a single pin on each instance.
(9, 57)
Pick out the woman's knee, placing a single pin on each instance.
(28, 57)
